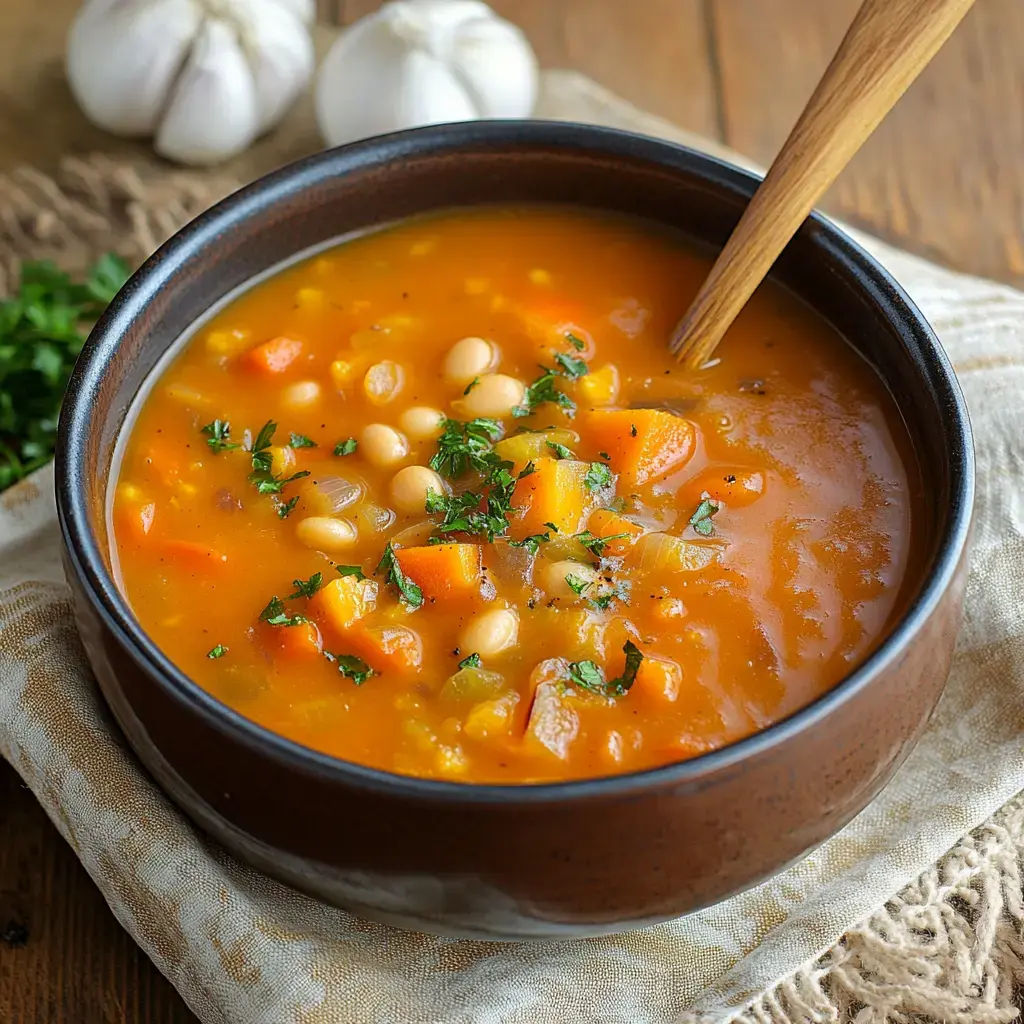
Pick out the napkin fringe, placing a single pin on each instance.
(950, 947)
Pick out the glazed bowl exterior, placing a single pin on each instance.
(509, 862)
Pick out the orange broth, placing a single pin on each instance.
(766, 504)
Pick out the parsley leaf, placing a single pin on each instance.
(588, 674)
(267, 483)
(701, 518)
(274, 614)
(531, 543)
(301, 441)
(350, 570)
(632, 430)
(217, 652)
(307, 588)
(42, 330)
(217, 434)
(411, 593)
(543, 390)
(572, 367)
(285, 509)
(598, 544)
(465, 446)
(609, 594)
(351, 667)
(552, 527)
(577, 584)
(598, 476)
(346, 447)
(472, 384)
(473, 661)
(577, 343)
(561, 452)
(262, 460)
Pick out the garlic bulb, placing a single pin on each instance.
(416, 62)
(203, 77)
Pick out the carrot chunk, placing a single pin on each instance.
(387, 648)
(441, 570)
(292, 642)
(556, 492)
(343, 602)
(605, 523)
(274, 356)
(644, 444)
(192, 555)
(658, 678)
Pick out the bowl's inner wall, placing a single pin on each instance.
(301, 209)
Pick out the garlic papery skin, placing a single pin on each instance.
(417, 62)
(203, 77)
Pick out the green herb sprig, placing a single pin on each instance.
(588, 674)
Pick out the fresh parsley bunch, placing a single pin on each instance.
(42, 331)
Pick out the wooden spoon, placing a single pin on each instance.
(886, 47)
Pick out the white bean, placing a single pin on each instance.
(383, 382)
(422, 422)
(301, 395)
(469, 358)
(409, 488)
(553, 578)
(383, 445)
(322, 533)
(490, 633)
(494, 395)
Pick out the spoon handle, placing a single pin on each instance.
(886, 47)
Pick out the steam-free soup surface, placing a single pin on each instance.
(440, 501)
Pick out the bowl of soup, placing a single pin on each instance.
(421, 576)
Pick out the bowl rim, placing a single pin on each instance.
(83, 551)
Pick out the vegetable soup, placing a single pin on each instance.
(439, 500)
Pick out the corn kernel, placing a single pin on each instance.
(539, 276)
(600, 387)
(282, 459)
(343, 372)
(309, 298)
(227, 343)
(451, 761)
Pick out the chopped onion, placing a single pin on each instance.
(473, 684)
(371, 518)
(553, 722)
(330, 494)
(413, 536)
(510, 565)
(656, 551)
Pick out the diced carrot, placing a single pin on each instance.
(134, 518)
(555, 492)
(644, 444)
(343, 602)
(274, 356)
(599, 387)
(388, 648)
(442, 570)
(658, 678)
(192, 554)
(735, 487)
(605, 523)
(292, 642)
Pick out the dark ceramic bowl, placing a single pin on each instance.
(576, 858)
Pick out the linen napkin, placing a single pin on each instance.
(922, 940)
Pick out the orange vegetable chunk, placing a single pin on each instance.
(291, 642)
(343, 602)
(274, 356)
(554, 493)
(605, 523)
(661, 443)
(388, 648)
(441, 570)
(658, 678)
(193, 555)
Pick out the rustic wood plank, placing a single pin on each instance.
(944, 174)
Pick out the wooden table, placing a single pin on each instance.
(944, 176)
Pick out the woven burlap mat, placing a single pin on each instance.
(949, 948)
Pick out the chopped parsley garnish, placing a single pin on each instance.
(301, 441)
(217, 652)
(701, 518)
(411, 593)
(609, 594)
(346, 447)
(472, 661)
(262, 476)
(632, 430)
(351, 570)
(598, 476)
(267, 483)
(465, 446)
(543, 390)
(472, 384)
(605, 456)
(217, 434)
(531, 543)
(598, 544)
(561, 452)
(351, 667)
(275, 615)
(572, 367)
(307, 588)
(552, 527)
(577, 343)
(589, 675)
(285, 509)
(577, 584)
